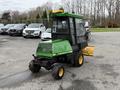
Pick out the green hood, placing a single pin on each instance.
(53, 48)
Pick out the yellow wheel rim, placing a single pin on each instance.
(80, 60)
(61, 72)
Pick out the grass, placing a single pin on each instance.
(105, 29)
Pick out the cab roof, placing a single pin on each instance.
(67, 15)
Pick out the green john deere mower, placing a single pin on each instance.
(65, 47)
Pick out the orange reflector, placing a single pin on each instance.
(88, 51)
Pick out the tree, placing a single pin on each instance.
(44, 16)
(15, 16)
(38, 16)
(6, 16)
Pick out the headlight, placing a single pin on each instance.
(23, 31)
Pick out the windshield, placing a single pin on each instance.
(19, 26)
(60, 26)
(9, 25)
(34, 26)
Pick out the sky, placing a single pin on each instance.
(22, 5)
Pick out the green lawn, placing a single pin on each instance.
(105, 29)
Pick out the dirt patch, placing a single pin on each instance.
(2, 63)
(18, 79)
(80, 85)
(108, 69)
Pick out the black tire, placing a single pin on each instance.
(78, 60)
(24, 36)
(34, 68)
(40, 34)
(58, 71)
(11, 34)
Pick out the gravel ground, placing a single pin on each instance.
(100, 72)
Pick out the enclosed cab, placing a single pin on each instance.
(69, 27)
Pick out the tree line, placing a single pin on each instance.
(101, 13)
(33, 15)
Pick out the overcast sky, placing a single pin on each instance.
(22, 5)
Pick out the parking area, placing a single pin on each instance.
(100, 72)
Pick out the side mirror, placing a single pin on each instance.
(86, 25)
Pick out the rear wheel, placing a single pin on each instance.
(58, 71)
(34, 68)
(78, 60)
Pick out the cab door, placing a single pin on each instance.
(80, 32)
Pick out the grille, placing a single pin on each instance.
(13, 30)
(4, 29)
(29, 31)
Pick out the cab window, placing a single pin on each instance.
(80, 28)
(60, 26)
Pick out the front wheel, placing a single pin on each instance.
(25, 36)
(40, 34)
(58, 71)
(34, 68)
